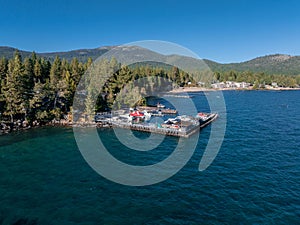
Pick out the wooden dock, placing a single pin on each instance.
(152, 128)
(156, 109)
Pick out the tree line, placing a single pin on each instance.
(36, 89)
(258, 79)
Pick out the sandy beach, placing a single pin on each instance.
(199, 89)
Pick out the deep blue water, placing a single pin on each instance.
(255, 178)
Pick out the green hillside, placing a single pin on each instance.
(270, 64)
(81, 54)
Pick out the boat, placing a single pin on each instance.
(172, 123)
(202, 116)
(147, 115)
(206, 118)
(158, 105)
(136, 114)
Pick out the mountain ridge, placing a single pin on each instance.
(270, 64)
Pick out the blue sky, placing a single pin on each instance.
(224, 31)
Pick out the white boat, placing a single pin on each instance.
(147, 115)
(160, 105)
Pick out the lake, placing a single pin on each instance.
(255, 178)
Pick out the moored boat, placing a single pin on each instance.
(206, 118)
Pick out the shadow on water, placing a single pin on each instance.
(39, 132)
(25, 222)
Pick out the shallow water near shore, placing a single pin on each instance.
(253, 180)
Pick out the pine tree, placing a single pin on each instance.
(3, 72)
(40, 103)
(46, 67)
(76, 71)
(33, 58)
(12, 89)
(3, 68)
(37, 71)
(27, 83)
(55, 72)
(28, 76)
(55, 76)
(89, 63)
(90, 105)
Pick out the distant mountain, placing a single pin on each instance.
(132, 54)
(270, 64)
(81, 54)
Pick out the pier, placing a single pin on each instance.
(188, 127)
(157, 109)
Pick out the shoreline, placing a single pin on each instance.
(199, 89)
(18, 126)
(9, 127)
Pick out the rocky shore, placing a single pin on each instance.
(8, 127)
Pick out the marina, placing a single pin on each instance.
(179, 126)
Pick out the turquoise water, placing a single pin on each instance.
(255, 179)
